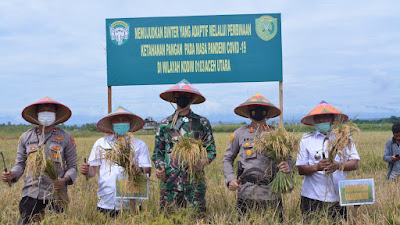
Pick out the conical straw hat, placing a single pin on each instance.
(182, 86)
(321, 109)
(30, 114)
(257, 100)
(105, 125)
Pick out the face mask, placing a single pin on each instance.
(258, 113)
(182, 101)
(46, 118)
(323, 127)
(121, 128)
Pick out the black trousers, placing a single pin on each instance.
(245, 205)
(311, 207)
(109, 212)
(32, 209)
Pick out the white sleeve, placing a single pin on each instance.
(95, 154)
(142, 154)
(302, 156)
(352, 153)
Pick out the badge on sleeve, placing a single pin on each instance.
(73, 141)
(231, 139)
(19, 140)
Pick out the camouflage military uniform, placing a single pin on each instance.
(176, 188)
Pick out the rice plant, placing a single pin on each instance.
(279, 145)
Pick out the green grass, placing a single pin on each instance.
(220, 201)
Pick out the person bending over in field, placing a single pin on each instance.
(255, 170)
(320, 191)
(391, 154)
(107, 150)
(178, 188)
(45, 143)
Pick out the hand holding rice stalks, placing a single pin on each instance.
(38, 165)
(279, 145)
(341, 138)
(123, 155)
(191, 156)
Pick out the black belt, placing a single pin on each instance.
(259, 180)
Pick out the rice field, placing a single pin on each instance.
(220, 201)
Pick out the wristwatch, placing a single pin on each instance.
(66, 180)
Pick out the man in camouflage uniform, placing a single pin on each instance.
(176, 187)
(257, 169)
(37, 192)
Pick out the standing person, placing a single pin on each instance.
(176, 189)
(258, 169)
(117, 124)
(37, 191)
(320, 191)
(391, 154)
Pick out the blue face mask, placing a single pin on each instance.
(121, 128)
(323, 127)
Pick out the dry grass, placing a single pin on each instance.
(190, 152)
(220, 201)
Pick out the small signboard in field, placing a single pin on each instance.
(356, 192)
(126, 190)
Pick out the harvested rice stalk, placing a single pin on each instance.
(123, 155)
(279, 145)
(341, 138)
(51, 171)
(38, 165)
(190, 152)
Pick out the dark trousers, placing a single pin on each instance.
(311, 207)
(245, 205)
(109, 212)
(32, 210)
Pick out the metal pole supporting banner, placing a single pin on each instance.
(281, 102)
(109, 99)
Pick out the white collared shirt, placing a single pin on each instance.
(108, 173)
(320, 186)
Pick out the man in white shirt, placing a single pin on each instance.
(118, 124)
(320, 191)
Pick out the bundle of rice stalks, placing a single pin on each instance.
(279, 145)
(51, 171)
(190, 152)
(38, 165)
(123, 155)
(341, 134)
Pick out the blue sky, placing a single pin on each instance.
(344, 52)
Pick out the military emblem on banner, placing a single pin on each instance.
(266, 27)
(119, 32)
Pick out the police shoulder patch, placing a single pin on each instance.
(19, 140)
(232, 137)
(73, 141)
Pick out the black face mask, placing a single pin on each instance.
(182, 101)
(258, 113)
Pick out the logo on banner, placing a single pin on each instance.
(119, 32)
(266, 27)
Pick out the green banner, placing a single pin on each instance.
(201, 49)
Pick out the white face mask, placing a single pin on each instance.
(46, 118)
